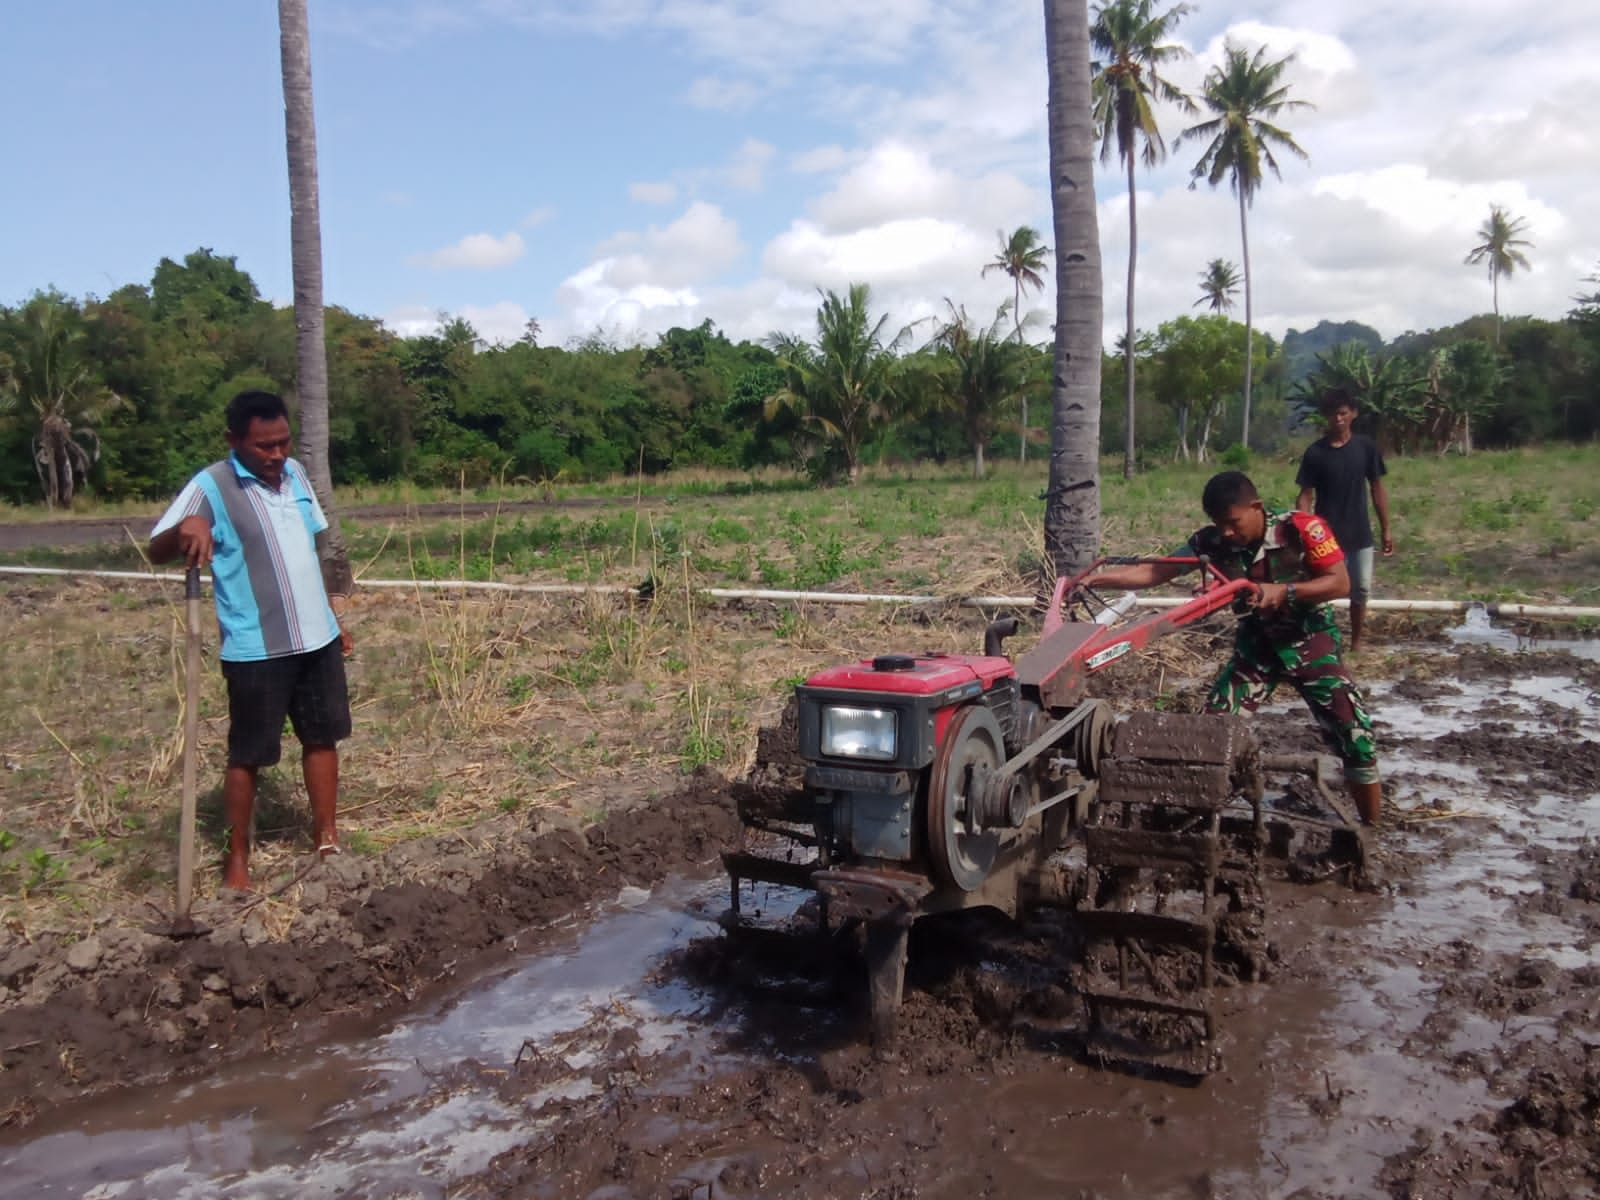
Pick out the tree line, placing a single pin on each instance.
(125, 393)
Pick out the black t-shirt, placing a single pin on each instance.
(1339, 475)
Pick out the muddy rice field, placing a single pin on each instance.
(561, 1016)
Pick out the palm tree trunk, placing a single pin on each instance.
(305, 239)
(1072, 506)
(1127, 350)
(1249, 357)
(1016, 315)
(1494, 282)
(47, 459)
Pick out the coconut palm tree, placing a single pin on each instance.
(1218, 283)
(844, 385)
(1498, 245)
(1072, 504)
(1021, 256)
(1131, 46)
(1245, 94)
(305, 242)
(47, 370)
(976, 370)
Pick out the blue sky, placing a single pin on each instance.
(628, 165)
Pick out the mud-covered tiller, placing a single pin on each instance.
(927, 783)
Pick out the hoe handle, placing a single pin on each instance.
(191, 733)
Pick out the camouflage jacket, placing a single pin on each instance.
(1295, 547)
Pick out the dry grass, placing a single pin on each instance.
(466, 707)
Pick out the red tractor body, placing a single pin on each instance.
(934, 782)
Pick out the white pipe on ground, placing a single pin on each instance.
(1494, 608)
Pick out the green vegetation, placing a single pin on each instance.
(136, 404)
(1512, 521)
(470, 706)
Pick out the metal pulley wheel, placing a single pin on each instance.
(1094, 737)
(961, 851)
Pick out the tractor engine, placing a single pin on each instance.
(869, 733)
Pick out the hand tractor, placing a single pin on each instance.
(927, 783)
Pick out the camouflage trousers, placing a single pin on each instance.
(1313, 667)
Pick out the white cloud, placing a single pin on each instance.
(1418, 203)
(475, 252)
(822, 160)
(909, 131)
(747, 172)
(757, 34)
(893, 252)
(594, 298)
(1522, 143)
(1325, 72)
(894, 179)
(897, 180)
(497, 324)
(411, 320)
(699, 245)
(542, 215)
(722, 95)
(662, 192)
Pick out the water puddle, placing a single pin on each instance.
(1325, 1095)
(1478, 629)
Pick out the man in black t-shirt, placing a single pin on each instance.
(1335, 474)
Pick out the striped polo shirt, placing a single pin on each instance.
(264, 570)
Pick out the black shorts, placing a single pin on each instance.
(307, 688)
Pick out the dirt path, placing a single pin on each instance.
(82, 531)
(1431, 1038)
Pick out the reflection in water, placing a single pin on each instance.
(1312, 1074)
(1478, 629)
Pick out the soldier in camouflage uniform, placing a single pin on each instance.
(1289, 634)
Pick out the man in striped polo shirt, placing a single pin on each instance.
(254, 519)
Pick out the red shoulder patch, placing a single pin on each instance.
(1322, 549)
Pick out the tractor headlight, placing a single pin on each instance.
(859, 733)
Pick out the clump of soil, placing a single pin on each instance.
(1520, 761)
(1544, 1138)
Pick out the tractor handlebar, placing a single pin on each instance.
(1214, 591)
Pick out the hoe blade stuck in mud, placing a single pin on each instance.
(907, 785)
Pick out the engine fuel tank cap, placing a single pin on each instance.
(893, 662)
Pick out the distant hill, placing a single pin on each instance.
(1300, 350)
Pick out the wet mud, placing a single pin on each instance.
(130, 1005)
(1394, 1050)
(1435, 1034)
